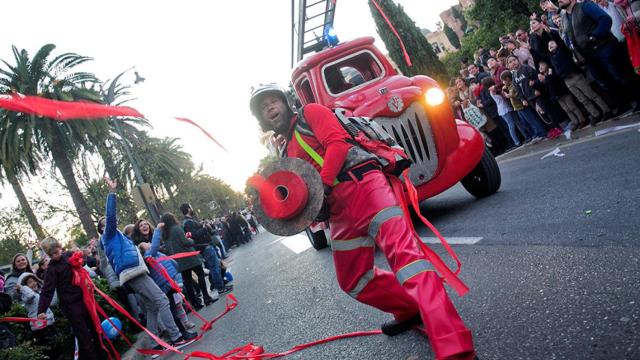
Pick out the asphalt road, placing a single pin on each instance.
(554, 268)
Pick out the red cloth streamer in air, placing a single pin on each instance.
(203, 130)
(63, 110)
(37, 323)
(404, 51)
(179, 255)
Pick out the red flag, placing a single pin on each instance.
(201, 129)
(63, 110)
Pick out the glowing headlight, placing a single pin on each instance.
(434, 96)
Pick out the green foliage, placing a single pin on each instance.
(200, 191)
(24, 351)
(423, 58)
(16, 235)
(452, 36)
(451, 62)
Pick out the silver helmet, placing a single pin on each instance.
(268, 89)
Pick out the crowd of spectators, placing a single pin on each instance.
(134, 263)
(575, 66)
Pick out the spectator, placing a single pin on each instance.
(495, 69)
(567, 70)
(1, 282)
(505, 110)
(523, 38)
(475, 73)
(176, 242)
(550, 10)
(59, 279)
(129, 266)
(203, 241)
(524, 77)
(559, 93)
(142, 232)
(522, 53)
(498, 133)
(42, 267)
(539, 41)
(617, 16)
(151, 250)
(510, 92)
(631, 30)
(29, 287)
(19, 265)
(588, 27)
(126, 297)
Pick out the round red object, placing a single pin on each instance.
(285, 196)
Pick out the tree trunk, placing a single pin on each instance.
(66, 169)
(24, 203)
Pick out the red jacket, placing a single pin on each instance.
(329, 141)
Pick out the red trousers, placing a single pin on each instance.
(365, 213)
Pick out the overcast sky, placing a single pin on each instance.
(199, 58)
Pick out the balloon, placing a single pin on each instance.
(109, 330)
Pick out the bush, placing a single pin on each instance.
(62, 344)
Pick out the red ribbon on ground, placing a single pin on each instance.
(63, 110)
(201, 129)
(404, 51)
(449, 276)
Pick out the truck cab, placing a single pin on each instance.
(356, 77)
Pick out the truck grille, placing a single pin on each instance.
(412, 131)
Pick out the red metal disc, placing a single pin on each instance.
(286, 198)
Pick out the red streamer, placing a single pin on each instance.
(35, 322)
(178, 255)
(201, 129)
(449, 276)
(404, 51)
(63, 110)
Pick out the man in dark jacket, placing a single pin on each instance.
(58, 279)
(203, 242)
(589, 29)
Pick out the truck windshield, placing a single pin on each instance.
(351, 72)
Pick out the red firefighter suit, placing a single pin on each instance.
(364, 212)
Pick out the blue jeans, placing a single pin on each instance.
(212, 263)
(510, 119)
(530, 117)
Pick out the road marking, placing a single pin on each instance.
(451, 240)
(555, 152)
(277, 240)
(297, 243)
(615, 128)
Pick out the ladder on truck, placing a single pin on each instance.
(307, 33)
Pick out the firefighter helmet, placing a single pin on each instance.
(268, 89)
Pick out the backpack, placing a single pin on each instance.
(368, 136)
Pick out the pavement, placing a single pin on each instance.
(552, 260)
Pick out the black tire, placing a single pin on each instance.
(484, 179)
(318, 239)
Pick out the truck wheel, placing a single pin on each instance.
(318, 239)
(484, 179)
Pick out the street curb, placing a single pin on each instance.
(579, 136)
(132, 354)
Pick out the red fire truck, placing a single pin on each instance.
(356, 77)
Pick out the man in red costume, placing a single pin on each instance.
(363, 213)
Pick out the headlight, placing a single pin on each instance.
(434, 96)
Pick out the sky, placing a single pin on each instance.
(199, 59)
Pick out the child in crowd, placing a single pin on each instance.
(509, 92)
(59, 280)
(505, 111)
(29, 287)
(558, 92)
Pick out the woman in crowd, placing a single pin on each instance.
(42, 267)
(176, 242)
(142, 232)
(19, 265)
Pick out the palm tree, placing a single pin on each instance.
(62, 141)
(16, 161)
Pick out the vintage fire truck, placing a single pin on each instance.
(358, 79)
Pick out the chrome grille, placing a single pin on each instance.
(412, 131)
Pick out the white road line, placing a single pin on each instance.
(452, 240)
(297, 243)
(277, 240)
